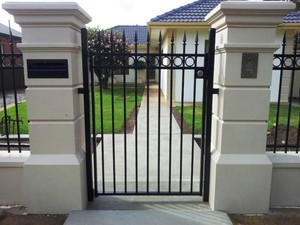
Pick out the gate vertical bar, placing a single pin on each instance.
(124, 118)
(209, 83)
(113, 111)
(86, 97)
(136, 112)
(204, 123)
(182, 110)
(159, 109)
(279, 93)
(193, 119)
(101, 118)
(148, 98)
(93, 120)
(171, 105)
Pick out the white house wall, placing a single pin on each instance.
(189, 74)
(164, 73)
(130, 78)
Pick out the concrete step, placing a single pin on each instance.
(147, 217)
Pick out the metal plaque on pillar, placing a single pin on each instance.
(249, 65)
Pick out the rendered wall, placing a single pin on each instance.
(285, 191)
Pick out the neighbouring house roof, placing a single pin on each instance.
(196, 12)
(5, 30)
(130, 33)
(193, 12)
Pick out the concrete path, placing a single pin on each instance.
(10, 97)
(154, 152)
(149, 210)
(146, 210)
(147, 217)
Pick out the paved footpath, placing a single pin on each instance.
(149, 210)
(153, 151)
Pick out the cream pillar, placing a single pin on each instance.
(240, 170)
(55, 179)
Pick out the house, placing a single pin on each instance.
(5, 48)
(130, 32)
(190, 18)
(5, 39)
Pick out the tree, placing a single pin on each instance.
(297, 2)
(106, 41)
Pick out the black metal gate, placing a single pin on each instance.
(158, 156)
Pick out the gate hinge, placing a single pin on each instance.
(215, 91)
(81, 90)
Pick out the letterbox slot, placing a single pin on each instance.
(47, 68)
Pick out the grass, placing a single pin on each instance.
(295, 112)
(188, 116)
(107, 108)
(283, 115)
(118, 107)
(22, 109)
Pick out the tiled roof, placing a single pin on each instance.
(130, 33)
(196, 12)
(293, 17)
(5, 30)
(193, 12)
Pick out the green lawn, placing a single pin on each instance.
(283, 115)
(188, 116)
(118, 107)
(107, 108)
(295, 112)
(22, 109)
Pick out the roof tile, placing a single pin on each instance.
(196, 12)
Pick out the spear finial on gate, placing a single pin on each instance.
(159, 37)
(197, 38)
(172, 37)
(135, 37)
(99, 41)
(184, 38)
(160, 42)
(111, 37)
(296, 42)
(124, 37)
(284, 39)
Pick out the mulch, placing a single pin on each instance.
(282, 138)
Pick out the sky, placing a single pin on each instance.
(109, 13)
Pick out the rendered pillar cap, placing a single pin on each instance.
(50, 11)
(269, 13)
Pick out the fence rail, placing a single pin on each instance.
(284, 136)
(12, 121)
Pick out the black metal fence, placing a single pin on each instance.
(284, 118)
(13, 113)
(154, 159)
